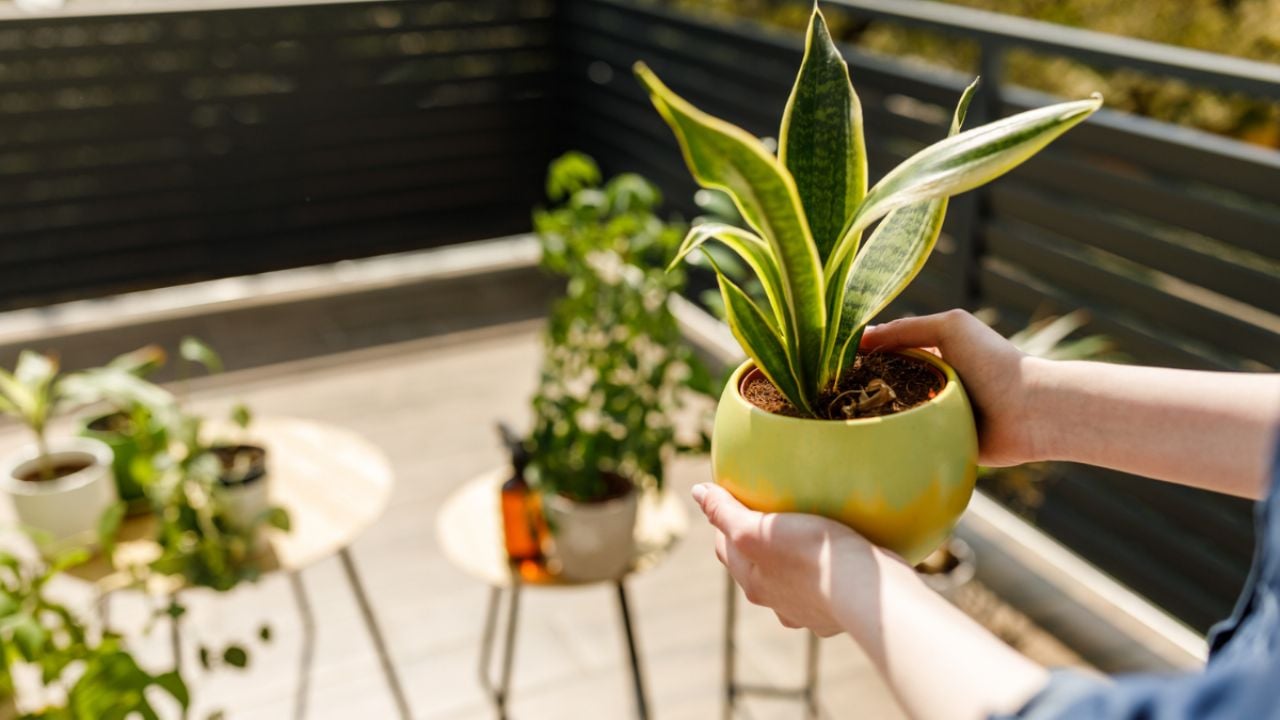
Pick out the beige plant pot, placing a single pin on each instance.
(593, 541)
(66, 509)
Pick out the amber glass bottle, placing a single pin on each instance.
(520, 512)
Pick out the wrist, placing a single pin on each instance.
(1036, 414)
(862, 577)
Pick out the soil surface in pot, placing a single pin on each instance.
(614, 487)
(114, 423)
(59, 470)
(241, 464)
(877, 384)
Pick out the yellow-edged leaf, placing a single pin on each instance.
(754, 252)
(960, 163)
(821, 142)
(724, 157)
(891, 259)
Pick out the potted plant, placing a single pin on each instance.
(59, 490)
(614, 365)
(885, 442)
(83, 673)
(129, 427)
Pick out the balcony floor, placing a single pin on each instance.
(430, 404)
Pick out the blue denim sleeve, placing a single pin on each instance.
(1240, 682)
(1238, 691)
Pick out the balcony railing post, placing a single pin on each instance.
(973, 209)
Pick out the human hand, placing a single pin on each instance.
(997, 376)
(792, 563)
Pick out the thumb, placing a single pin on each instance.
(722, 509)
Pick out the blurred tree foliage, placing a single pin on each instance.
(1243, 28)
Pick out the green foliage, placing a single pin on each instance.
(614, 364)
(95, 674)
(821, 291)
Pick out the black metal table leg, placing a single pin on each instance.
(388, 669)
(500, 692)
(730, 648)
(733, 690)
(642, 702)
(308, 645)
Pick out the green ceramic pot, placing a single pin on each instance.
(901, 480)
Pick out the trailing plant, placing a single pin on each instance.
(185, 484)
(614, 364)
(90, 674)
(199, 543)
(810, 205)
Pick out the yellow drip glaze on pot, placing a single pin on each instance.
(901, 480)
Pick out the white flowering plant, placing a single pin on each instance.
(614, 367)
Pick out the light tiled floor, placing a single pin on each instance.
(431, 406)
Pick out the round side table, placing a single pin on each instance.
(469, 527)
(334, 485)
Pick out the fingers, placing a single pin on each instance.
(786, 622)
(926, 331)
(724, 511)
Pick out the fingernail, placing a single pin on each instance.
(699, 491)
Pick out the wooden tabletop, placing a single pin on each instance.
(469, 530)
(332, 481)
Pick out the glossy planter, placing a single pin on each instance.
(66, 509)
(900, 480)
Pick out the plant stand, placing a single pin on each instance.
(334, 485)
(808, 693)
(470, 532)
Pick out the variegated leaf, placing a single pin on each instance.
(724, 157)
(891, 259)
(960, 163)
(764, 346)
(821, 140)
(754, 252)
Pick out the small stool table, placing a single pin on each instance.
(334, 484)
(470, 533)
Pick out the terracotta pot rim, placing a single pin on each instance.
(950, 387)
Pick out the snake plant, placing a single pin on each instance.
(809, 206)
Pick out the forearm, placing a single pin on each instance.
(1211, 430)
(939, 663)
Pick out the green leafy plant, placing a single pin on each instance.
(614, 363)
(36, 391)
(810, 205)
(92, 674)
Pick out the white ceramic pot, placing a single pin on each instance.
(593, 541)
(66, 509)
(245, 502)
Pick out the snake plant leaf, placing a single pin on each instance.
(821, 141)
(724, 157)
(758, 339)
(960, 163)
(890, 260)
(753, 251)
